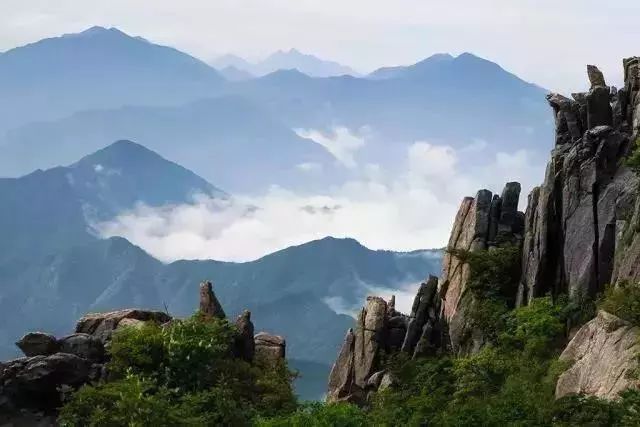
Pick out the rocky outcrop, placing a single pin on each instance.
(574, 219)
(102, 325)
(33, 388)
(602, 355)
(482, 223)
(381, 330)
(209, 304)
(269, 348)
(244, 346)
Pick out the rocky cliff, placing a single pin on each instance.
(580, 232)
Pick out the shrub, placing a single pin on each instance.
(320, 415)
(633, 160)
(623, 301)
(183, 374)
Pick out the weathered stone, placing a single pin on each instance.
(599, 111)
(83, 345)
(270, 348)
(425, 329)
(209, 305)
(375, 379)
(602, 353)
(244, 343)
(388, 380)
(370, 336)
(596, 78)
(468, 229)
(508, 221)
(102, 325)
(38, 343)
(568, 118)
(36, 382)
(341, 376)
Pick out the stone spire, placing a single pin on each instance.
(209, 305)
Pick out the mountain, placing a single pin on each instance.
(218, 138)
(47, 211)
(234, 74)
(291, 59)
(433, 62)
(97, 68)
(53, 268)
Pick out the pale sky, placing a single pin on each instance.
(544, 41)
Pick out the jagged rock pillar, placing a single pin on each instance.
(209, 305)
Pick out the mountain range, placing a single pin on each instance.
(291, 59)
(69, 95)
(54, 268)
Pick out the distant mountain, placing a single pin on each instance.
(433, 62)
(228, 140)
(46, 211)
(53, 268)
(285, 60)
(234, 74)
(98, 68)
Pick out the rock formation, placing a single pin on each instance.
(483, 223)
(575, 219)
(34, 387)
(209, 304)
(381, 330)
(602, 355)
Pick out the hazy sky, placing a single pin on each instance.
(544, 41)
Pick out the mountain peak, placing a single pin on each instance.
(98, 31)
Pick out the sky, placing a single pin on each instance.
(547, 42)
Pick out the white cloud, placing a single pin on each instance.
(309, 167)
(410, 211)
(340, 142)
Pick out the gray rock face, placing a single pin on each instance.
(245, 345)
(37, 344)
(341, 385)
(102, 325)
(38, 382)
(481, 224)
(602, 353)
(84, 346)
(573, 219)
(209, 304)
(425, 331)
(270, 348)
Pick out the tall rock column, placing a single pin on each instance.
(209, 305)
(482, 223)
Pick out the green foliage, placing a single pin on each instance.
(320, 415)
(184, 374)
(493, 280)
(509, 382)
(623, 301)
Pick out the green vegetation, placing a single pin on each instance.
(509, 382)
(181, 375)
(623, 300)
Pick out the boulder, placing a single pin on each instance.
(370, 337)
(102, 325)
(209, 305)
(38, 343)
(596, 78)
(270, 348)
(83, 345)
(602, 353)
(39, 382)
(425, 328)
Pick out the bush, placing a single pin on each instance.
(623, 301)
(184, 374)
(320, 415)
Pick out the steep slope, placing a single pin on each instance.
(97, 68)
(215, 138)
